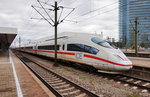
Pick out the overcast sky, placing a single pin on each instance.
(18, 14)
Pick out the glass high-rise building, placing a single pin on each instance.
(129, 10)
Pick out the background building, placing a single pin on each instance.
(128, 11)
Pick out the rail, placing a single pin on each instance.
(144, 55)
(135, 81)
(126, 77)
(59, 85)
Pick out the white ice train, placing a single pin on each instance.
(83, 48)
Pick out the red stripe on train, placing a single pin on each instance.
(97, 58)
(67, 53)
(85, 55)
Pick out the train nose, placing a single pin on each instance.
(122, 63)
(124, 66)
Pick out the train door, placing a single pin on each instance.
(0, 45)
(36, 48)
(63, 51)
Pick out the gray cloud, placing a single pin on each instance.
(17, 13)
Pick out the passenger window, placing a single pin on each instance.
(94, 51)
(79, 47)
(73, 47)
(29, 47)
(82, 48)
(48, 47)
(87, 49)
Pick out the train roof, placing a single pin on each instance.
(28, 44)
(70, 35)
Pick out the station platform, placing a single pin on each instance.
(4, 56)
(16, 80)
(139, 61)
(7, 83)
(144, 51)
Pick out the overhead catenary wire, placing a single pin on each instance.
(95, 10)
(27, 22)
(42, 16)
(89, 17)
(91, 11)
(59, 1)
(55, 22)
(45, 8)
(99, 14)
(77, 5)
(46, 3)
(60, 14)
(46, 11)
(35, 24)
(67, 15)
(43, 5)
(31, 25)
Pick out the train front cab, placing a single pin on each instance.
(110, 57)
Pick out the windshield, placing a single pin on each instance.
(113, 45)
(103, 43)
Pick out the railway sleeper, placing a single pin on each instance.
(48, 75)
(71, 93)
(57, 84)
(71, 90)
(81, 95)
(52, 82)
(75, 92)
(67, 89)
(129, 80)
(137, 82)
(52, 79)
(64, 86)
(146, 84)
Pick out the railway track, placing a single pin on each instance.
(144, 55)
(59, 85)
(126, 78)
(134, 81)
(138, 71)
(123, 78)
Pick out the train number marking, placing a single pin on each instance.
(78, 55)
